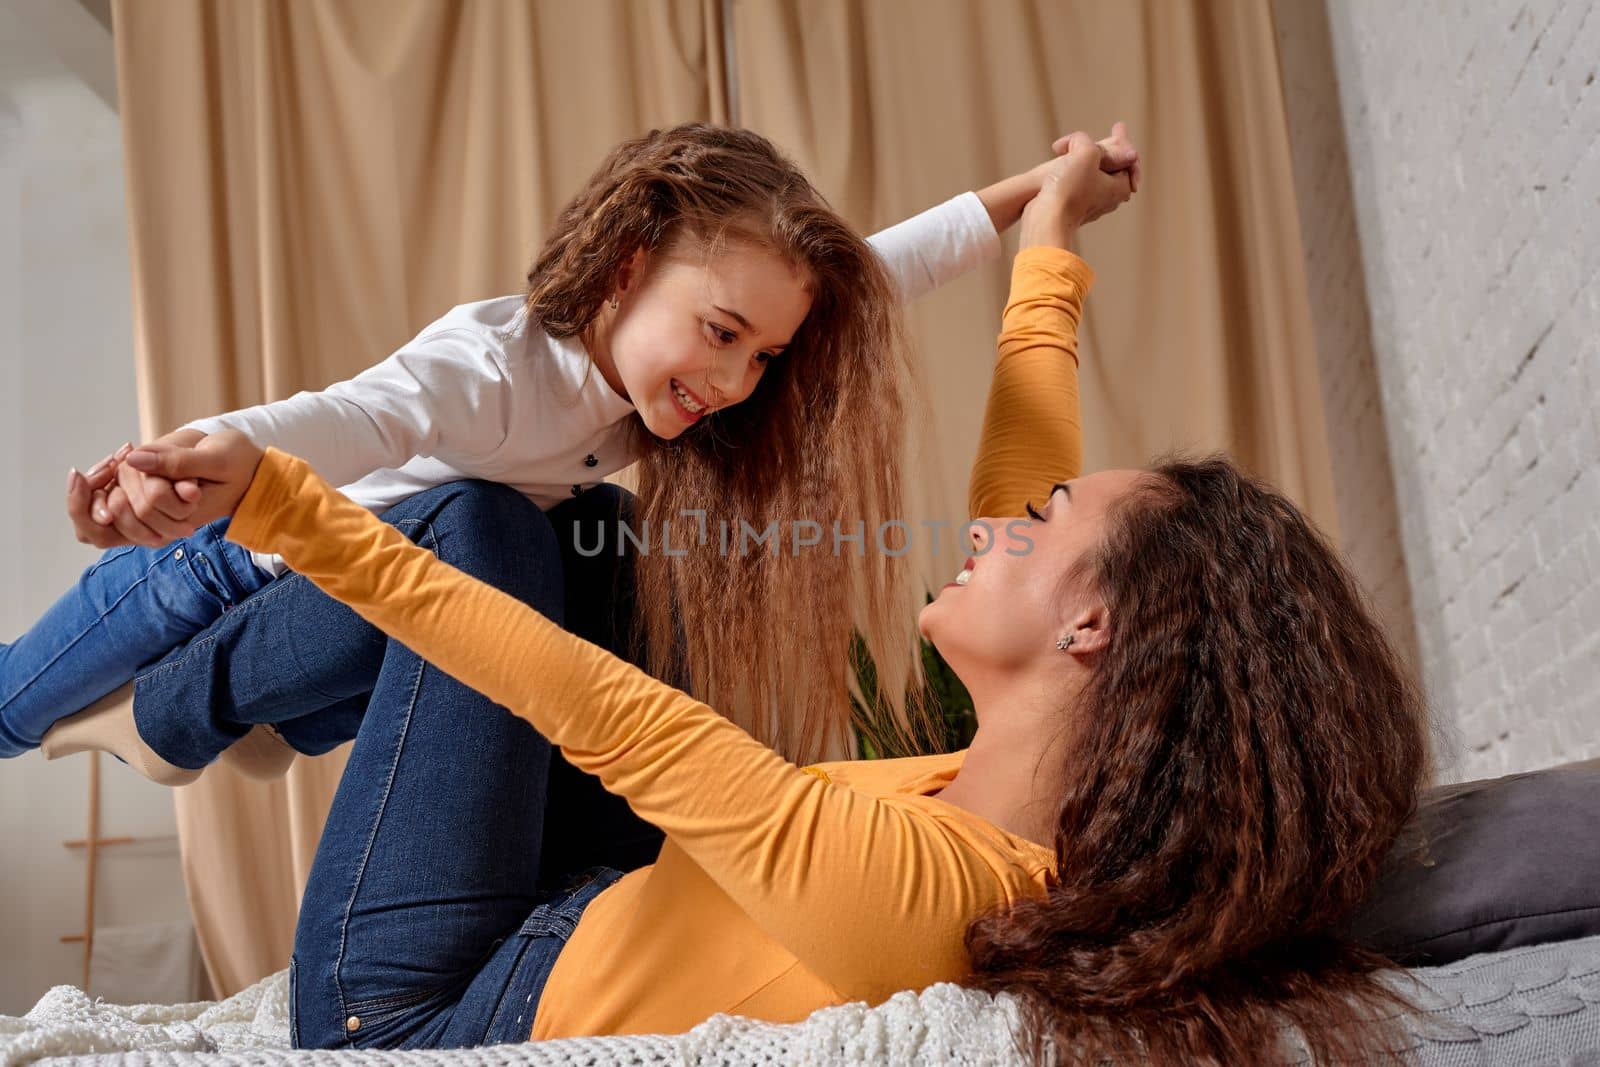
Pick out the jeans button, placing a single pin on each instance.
(178, 554)
(353, 1023)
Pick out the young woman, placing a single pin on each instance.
(697, 303)
(1194, 748)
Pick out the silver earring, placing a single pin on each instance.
(1065, 642)
(613, 303)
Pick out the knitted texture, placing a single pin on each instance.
(1536, 1005)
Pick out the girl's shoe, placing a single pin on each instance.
(260, 754)
(107, 726)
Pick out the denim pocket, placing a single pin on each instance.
(391, 1022)
(204, 571)
(378, 1009)
(186, 589)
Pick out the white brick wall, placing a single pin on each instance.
(1358, 443)
(1473, 139)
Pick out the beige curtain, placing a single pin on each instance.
(309, 183)
(1198, 332)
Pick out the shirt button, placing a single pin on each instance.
(589, 460)
(577, 490)
(178, 554)
(353, 1023)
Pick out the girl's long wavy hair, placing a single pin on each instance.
(1240, 763)
(820, 440)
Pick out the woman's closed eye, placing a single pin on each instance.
(1059, 487)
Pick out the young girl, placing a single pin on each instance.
(1194, 749)
(697, 305)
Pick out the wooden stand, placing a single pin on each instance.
(93, 843)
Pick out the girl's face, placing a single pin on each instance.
(691, 336)
(1012, 609)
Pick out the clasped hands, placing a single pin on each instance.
(162, 491)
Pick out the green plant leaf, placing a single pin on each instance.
(948, 700)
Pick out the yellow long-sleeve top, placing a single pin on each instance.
(779, 890)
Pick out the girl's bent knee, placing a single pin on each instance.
(487, 504)
(500, 536)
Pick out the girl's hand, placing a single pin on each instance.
(1005, 199)
(221, 465)
(144, 509)
(1076, 190)
(87, 490)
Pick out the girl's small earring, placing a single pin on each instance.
(613, 303)
(1065, 642)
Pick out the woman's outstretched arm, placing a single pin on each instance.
(1032, 430)
(868, 894)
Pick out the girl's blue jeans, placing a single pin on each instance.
(460, 849)
(130, 608)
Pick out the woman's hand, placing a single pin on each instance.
(1005, 199)
(221, 465)
(1076, 190)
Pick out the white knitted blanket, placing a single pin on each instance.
(1535, 1005)
(942, 1024)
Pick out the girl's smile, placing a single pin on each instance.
(690, 406)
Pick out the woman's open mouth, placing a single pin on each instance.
(964, 575)
(689, 406)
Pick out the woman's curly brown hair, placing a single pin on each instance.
(819, 441)
(1240, 763)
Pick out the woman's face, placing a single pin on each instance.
(691, 335)
(1012, 609)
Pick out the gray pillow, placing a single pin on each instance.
(1491, 865)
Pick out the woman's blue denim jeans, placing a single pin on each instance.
(442, 887)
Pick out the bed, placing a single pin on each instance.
(1536, 1004)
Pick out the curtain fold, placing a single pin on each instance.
(310, 182)
(1198, 334)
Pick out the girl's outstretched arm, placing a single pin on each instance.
(446, 394)
(937, 246)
